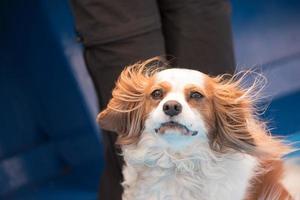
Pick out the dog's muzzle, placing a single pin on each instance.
(177, 127)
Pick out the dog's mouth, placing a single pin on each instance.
(176, 127)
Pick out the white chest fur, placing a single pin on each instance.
(155, 173)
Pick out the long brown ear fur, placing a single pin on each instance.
(236, 123)
(125, 112)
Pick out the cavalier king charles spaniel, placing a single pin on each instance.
(186, 135)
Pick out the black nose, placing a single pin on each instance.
(172, 108)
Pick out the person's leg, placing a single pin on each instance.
(105, 62)
(198, 34)
(115, 34)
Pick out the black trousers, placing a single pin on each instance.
(193, 33)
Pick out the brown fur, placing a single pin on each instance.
(267, 185)
(235, 123)
(126, 111)
(231, 114)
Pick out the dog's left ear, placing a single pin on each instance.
(125, 112)
(233, 111)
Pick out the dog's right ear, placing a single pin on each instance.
(125, 111)
(112, 120)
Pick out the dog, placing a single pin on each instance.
(185, 135)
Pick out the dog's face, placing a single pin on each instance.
(180, 106)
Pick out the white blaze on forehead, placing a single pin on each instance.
(179, 78)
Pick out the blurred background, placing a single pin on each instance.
(50, 145)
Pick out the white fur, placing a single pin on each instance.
(154, 171)
(177, 167)
(291, 178)
(178, 78)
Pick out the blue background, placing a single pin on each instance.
(50, 145)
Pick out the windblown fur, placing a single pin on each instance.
(232, 157)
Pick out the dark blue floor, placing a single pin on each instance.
(74, 185)
(50, 146)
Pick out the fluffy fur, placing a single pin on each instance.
(232, 156)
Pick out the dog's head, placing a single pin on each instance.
(181, 106)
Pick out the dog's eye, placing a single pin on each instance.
(157, 94)
(196, 95)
